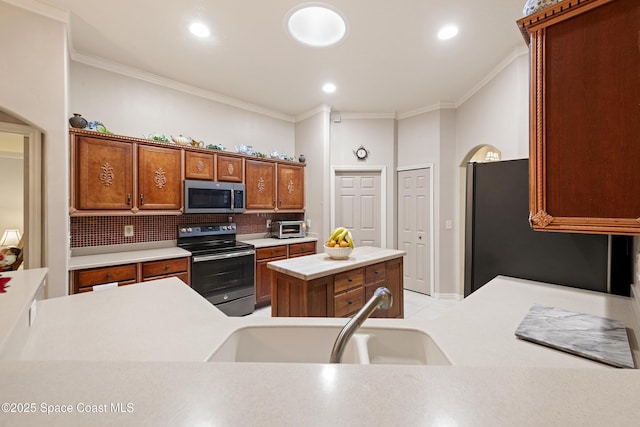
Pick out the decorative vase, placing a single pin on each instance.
(77, 121)
(302, 159)
(532, 6)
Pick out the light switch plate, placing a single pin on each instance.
(448, 224)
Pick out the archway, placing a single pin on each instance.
(32, 215)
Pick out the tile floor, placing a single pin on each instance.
(416, 306)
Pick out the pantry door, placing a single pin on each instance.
(415, 228)
(358, 205)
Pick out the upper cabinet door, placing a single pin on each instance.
(260, 185)
(159, 178)
(584, 126)
(198, 165)
(229, 169)
(103, 177)
(290, 187)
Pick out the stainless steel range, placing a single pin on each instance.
(222, 269)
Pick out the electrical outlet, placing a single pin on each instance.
(128, 231)
(308, 222)
(268, 223)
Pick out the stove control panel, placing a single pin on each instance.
(206, 229)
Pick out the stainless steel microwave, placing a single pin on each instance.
(213, 197)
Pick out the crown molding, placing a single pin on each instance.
(320, 109)
(138, 74)
(41, 9)
(515, 54)
(428, 109)
(367, 115)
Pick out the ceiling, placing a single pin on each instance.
(390, 62)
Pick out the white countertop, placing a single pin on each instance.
(498, 380)
(271, 241)
(125, 257)
(15, 303)
(160, 320)
(319, 265)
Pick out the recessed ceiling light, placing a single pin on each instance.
(329, 87)
(316, 25)
(447, 32)
(199, 29)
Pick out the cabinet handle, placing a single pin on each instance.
(108, 275)
(279, 202)
(129, 199)
(375, 272)
(141, 199)
(350, 302)
(273, 203)
(350, 279)
(166, 267)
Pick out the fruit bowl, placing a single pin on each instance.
(338, 252)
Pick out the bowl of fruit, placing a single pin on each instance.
(340, 244)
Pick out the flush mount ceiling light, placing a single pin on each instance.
(199, 29)
(316, 25)
(329, 88)
(447, 32)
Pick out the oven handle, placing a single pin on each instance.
(222, 256)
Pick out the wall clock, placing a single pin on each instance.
(361, 153)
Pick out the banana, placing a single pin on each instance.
(342, 235)
(336, 232)
(349, 239)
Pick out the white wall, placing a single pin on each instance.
(133, 107)
(378, 135)
(33, 84)
(313, 140)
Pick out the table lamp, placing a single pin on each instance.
(10, 238)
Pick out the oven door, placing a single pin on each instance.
(224, 277)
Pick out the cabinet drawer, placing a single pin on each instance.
(90, 288)
(164, 267)
(302, 248)
(348, 302)
(271, 252)
(182, 276)
(348, 280)
(374, 273)
(98, 276)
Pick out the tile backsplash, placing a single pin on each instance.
(109, 230)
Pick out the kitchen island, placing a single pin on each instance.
(319, 286)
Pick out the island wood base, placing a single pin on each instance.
(338, 295)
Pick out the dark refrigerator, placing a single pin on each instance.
(499, 240)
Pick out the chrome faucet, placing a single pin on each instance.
(381, 298)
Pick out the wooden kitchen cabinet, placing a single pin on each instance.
(274, 186)
(338, 295)
(115, 175)
(263, 274)
(198, 165)
(290, 190)
(260, 182)
(302, 249)
(584, 122)
(85, 280)
(229, 169)
(127, 274)
(265, 277)
(177, 267)
(159, 178)
(104, 172)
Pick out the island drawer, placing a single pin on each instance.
(271, 252)
(97, 276)
(348, 302)
(163, 267)
(374, 273)
(348, 280)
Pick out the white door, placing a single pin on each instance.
(358, 206)
(415, 228)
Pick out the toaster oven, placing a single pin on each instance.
(289, 229)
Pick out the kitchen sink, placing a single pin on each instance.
(313, 344)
